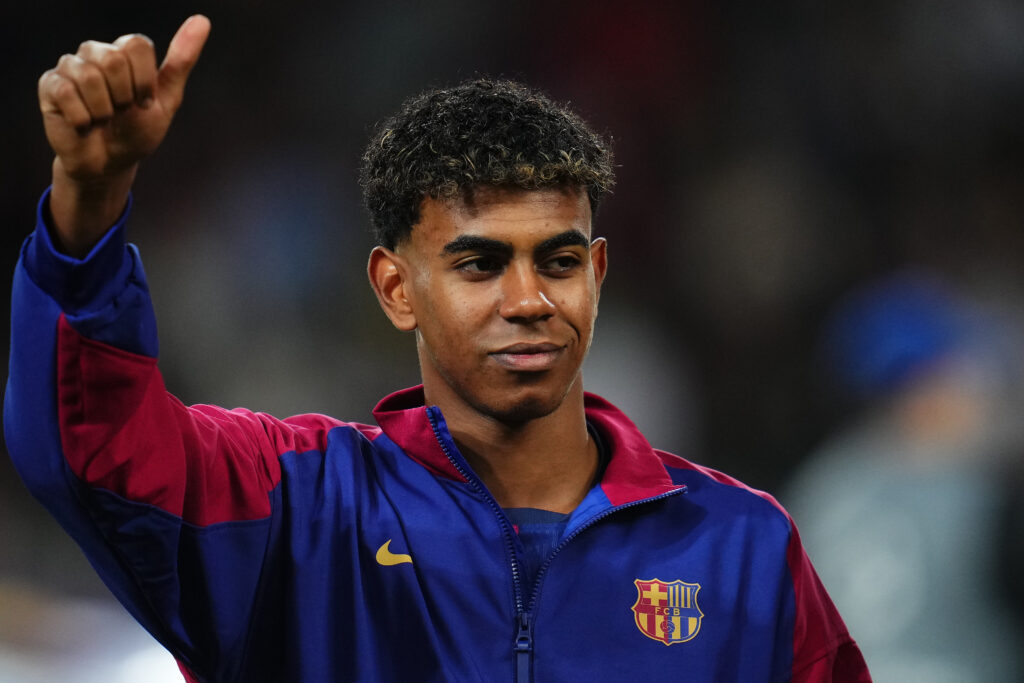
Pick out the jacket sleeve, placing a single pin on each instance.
(174, 506)
(823, 651)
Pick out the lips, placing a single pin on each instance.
(526, 357)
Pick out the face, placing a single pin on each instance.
(502, 292)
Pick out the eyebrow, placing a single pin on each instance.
(475, 243)
(569, 238)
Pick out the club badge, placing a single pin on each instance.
(667, 611)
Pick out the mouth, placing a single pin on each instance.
(528, 357)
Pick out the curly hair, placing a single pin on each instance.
(447, 142)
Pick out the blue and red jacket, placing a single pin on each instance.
(310, 549)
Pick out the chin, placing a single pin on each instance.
(518, 406)
(521, 412)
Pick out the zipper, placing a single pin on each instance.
(507, 531)
(524, 649)
(523, 644)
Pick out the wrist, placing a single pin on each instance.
(83, 210)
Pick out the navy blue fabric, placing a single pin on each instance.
(116, 309)
(539, 532)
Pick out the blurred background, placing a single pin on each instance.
(816, 284)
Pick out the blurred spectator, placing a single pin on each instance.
(902, 513)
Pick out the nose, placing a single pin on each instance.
(523, 296)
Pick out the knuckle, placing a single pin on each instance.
(91, 77)
(136, 43)
(46, 78)
(112, 60)
(65, 90)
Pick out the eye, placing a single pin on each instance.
(479, 266)
(561, 264)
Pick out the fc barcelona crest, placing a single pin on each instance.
(667, 611)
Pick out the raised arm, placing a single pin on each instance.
(175, 506)
(105, 108)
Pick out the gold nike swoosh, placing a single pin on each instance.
(387, 558)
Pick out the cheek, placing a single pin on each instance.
(580, 308)
(451, 317)
(462, 309)
(474, 302)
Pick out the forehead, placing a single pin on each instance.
(517, 217)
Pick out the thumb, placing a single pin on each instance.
(182, 55)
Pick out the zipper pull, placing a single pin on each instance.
(524, 649)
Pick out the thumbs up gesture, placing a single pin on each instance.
(104, 109)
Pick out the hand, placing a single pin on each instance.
(104, 109)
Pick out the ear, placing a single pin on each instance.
(599, 259)
(388, 273)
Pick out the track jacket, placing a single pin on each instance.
(310, 549)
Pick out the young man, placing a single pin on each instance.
(498, 524)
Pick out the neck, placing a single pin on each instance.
(547, 463)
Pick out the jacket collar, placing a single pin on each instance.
(635, 471)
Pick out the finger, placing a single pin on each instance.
(182, 55)
(58, 95)
(142, 60)
(90, 83)
(115, 69)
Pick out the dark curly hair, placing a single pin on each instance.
(447, 142)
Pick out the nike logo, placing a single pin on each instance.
(387, 558)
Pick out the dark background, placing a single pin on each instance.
(772, 156)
